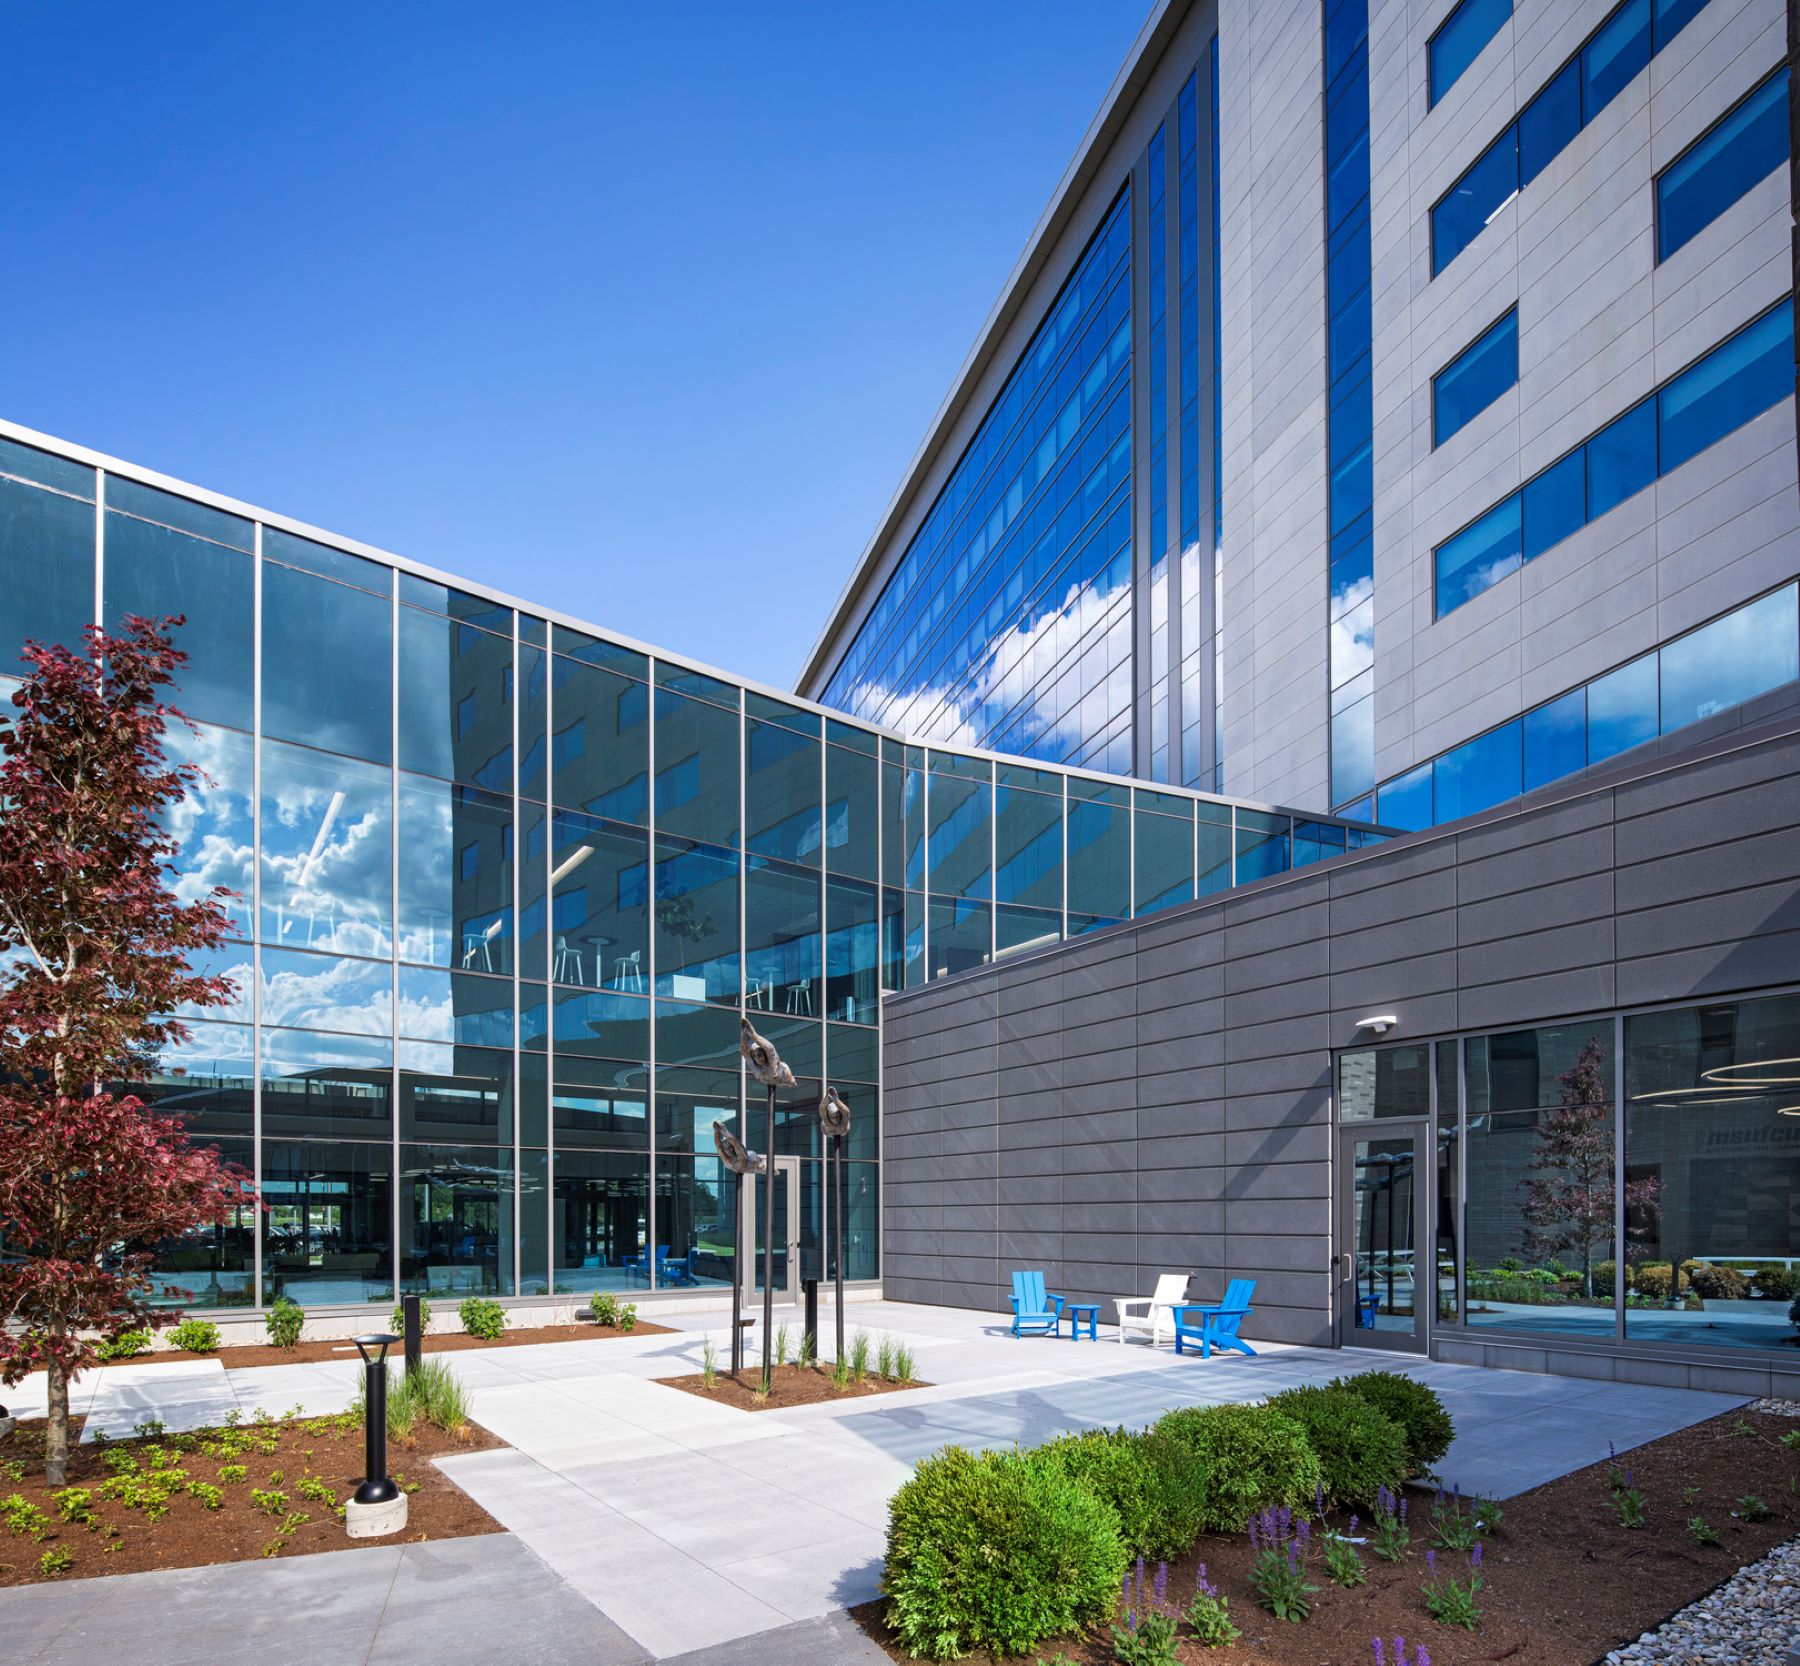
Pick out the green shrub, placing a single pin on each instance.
(1360, 1448)
(1775, 1283)
(604, 1307)
(1716, 1284)
(285, 1320)
(1252, 1457)
(1415, 1407)
(1604, 1273)
(197, 1336)
(627, 1316)
(397, 1319)
(482, 1318)
(1153, 1483)
(1652, 1280)
(996, 1552)
(128, 1344)
(1508, 1264)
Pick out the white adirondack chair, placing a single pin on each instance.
(1153, 1317)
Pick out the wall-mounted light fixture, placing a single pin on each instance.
(1379, 1024)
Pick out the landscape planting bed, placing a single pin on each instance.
(790, 1385)
(434, 1342)
(1565, 1582)
(278, 1456)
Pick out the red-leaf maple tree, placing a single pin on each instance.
(94, 948)
(1569, 1199)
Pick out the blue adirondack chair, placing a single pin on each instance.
(1215, 1324)
(1033, 1309)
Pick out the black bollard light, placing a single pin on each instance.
(413, 1326)
(811, 1288)
(378, 1486)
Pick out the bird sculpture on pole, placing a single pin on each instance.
(766, 1065)
(834, 1124)
(741, 1160)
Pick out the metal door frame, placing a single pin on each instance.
(787, 1173)
(1344, 1287)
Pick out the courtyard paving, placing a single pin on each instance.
(712, 1536)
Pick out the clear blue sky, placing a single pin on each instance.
(636, 310)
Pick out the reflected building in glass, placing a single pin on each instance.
(503, 885)
(1392, 412)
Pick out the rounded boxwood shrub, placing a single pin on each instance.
(1604, 1273)
(1652, 1280)
(482, 1318)
(1153, 1483)
(197, 1336)
(1415, 1406)
(1250, 1457)
(1360, 1448)
(996, 1552)
(1776, 1283)
(1716, 1284)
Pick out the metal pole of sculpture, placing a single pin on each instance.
(766, 1066)
(834, 1123)
(737, 1157)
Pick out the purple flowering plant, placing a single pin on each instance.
(1145, 1632)
(1400, 1656)
(1388, 1534)
(1282, 1545)
(1209, 1613)
(1449, 1600)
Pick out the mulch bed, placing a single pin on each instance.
(792, 1385)
(1565, 1582)
(326, 1452)
(446, 1342)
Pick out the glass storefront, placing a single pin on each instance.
(501, 888)
(1628, 1177)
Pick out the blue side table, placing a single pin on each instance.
(1080, 1313)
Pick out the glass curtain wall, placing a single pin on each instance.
(1628, 1177)
(500, 890)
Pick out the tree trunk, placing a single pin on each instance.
(56, 1434)
(1587, 1271)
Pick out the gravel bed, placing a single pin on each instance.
(1751, 1620)
(1776, 1408)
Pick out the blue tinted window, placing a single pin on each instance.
(1622, 709)
(1556, 503)
(1737, 380)
(1460, 38)
(1478, 774)
(1621, 459)
(1405, 801)
(1346, 28)
(1353, 748)
(1671, 16)
(1556, 739)
(1549, 122)
(1476, 377)
(1475, 199)
(1480, 555)
(1733, 659)
(1720, 166)
(1619, 49)
(327, 664)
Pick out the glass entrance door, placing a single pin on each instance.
(1384, 1270)
(786, 1230)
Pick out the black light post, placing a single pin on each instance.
(741, 1160)
(766, 1066)
(377, 1486)
(378, 1506)
(834, 1123)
